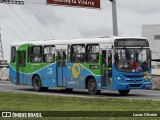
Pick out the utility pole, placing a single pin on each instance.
(1, 48)
(3, 63)
(114, 17)
(12, 2)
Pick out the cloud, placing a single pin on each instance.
(142, 7)
(133, 14)
(37, 21)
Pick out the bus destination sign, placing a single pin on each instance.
(76, 3)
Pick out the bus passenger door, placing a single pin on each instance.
(61, 68)
(106, 68)
(109, 64)
(21, 67)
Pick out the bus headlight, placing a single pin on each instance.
(119, 78)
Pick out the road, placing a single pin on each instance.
(134, 94)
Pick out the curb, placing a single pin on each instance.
(4, 80)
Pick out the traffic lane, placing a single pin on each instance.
(134, 94)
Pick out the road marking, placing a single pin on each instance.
(149, 95)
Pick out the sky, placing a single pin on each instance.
(37, 21)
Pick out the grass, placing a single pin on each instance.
(32, 102)
(27, 102)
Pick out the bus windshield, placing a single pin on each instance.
(132, 59)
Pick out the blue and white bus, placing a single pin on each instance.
(115, 63)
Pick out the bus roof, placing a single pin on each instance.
(101, 40)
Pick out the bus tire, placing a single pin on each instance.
(123, 92)
(92, 87)
(37, 83)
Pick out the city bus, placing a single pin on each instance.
(96, 64)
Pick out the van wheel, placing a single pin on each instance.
(92, 87)
(37, 84)
(123, 92)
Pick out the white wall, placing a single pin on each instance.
(149, 31)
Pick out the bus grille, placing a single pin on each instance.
(133, 81)
(134, 76)
(134, 85)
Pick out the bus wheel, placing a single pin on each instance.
(123, 92)
(37, 84)
(92, 87)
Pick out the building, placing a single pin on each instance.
(152, 33)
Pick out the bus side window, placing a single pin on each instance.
(73, 51)
(92, 53)
(22, 58)
(69, 53)
(49, 54)
(13, 54)
(104, 62)
(110, 58)
(78, 53)
(29, 54)
(36, 54)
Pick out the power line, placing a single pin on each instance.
(1, 48)
(38, 17)
(11, 29)
(21, 28)
(23, 21)
(38, 28)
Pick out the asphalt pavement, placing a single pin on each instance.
(7, 86)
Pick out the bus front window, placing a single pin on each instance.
(132, 59)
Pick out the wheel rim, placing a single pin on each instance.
(92, 86)
(37, 83)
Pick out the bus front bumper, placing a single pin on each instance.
(129, 86)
